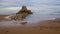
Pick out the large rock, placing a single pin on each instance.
(21, 14)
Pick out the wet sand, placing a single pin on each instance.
(42, 27)
(2, 17)
(39, 29)
(30, 30)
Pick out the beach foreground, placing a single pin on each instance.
(43, 27)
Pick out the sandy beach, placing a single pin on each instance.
(42, 27)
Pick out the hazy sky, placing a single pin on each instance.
(12, 5)
(15, 3)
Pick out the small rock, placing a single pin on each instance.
(7, 31)
(23, 23)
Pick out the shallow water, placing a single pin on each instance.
(31, 20)
(39, 14)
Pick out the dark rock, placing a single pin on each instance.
(29, 11)
(23, 23)
(7, 31)
(24, 9)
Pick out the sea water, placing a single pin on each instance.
(39, 14)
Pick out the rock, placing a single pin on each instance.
(21, 14)
(23, 23)
(24, 9)
(13, 17)
(29, 11)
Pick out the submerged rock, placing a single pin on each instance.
(23, 23)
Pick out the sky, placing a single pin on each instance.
(9, 6)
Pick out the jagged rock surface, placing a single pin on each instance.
(24, 9)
